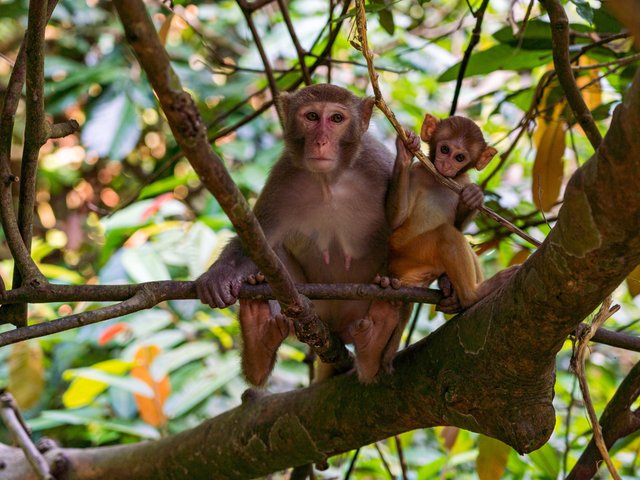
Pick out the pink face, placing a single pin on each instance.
(324, 124)
(451, 156)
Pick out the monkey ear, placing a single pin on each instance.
(366, 110)
(283, 102)
(429, 125)
(485, 157)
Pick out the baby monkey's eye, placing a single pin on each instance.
(460, 158)
(313, 116)
(444, 149)
(337, 118)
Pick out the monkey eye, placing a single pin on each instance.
(337, 118)
(444, 149)
(313, 116)
(459, 158)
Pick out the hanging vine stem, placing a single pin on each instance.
(361, 21)
(578, 364)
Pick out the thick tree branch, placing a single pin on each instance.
(191, 135)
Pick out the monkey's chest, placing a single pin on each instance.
(433, 207)
(338, 237)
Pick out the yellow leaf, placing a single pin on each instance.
(151, 409)
(589, 84)
(82, 392)
(519, 257)
(492, 458)
(26, 373)
(548, 166)
(633, 282)
(164, 29)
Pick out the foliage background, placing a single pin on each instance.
(117, 204)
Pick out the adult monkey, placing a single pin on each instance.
(323, 211)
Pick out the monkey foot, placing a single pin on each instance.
(384, 282)
(450, 303)
(326, 257)
(371, 337)
(262, 334)
(347, 262)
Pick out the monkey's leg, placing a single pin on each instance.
(262, 334)
(393, 345)
(459, 262)
(371, 336)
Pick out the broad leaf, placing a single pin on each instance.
(499, 57)
(26, 373)
(548, 166)
(492, 458)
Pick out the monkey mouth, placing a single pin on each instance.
(321, 164)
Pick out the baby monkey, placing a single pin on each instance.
(427, 217)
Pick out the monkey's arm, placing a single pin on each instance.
(471, 197)
(397, 202)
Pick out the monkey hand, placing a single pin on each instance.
(219, 286)
(472, 196)
(404, 154)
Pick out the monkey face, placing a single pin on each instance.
(451, 157)
(325, 127)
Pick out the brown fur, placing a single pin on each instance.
(326, 227)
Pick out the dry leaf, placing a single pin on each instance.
(519, 257)
(151, 409)
(492, 458)
(633, 282)
(548, 167)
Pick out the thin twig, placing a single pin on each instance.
(384, 461)
(273, 86)
(14, 422)
(381, 104)
(473, 41)
(403, 463)
(306, 76)
(578, 366)
(618, 420)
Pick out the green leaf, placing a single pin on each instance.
(584, 10)
(132, 385)
(169, 361)
(112, 128)
(199, 389)
(499, 57)
(144, 265)
(537, 36)
(547, 460)
(138, 429)
(386, 21)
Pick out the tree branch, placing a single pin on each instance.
(562, 64)
(617, 421)
(191, 135)
(14, 422)
(473, 41)
(35, 135)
